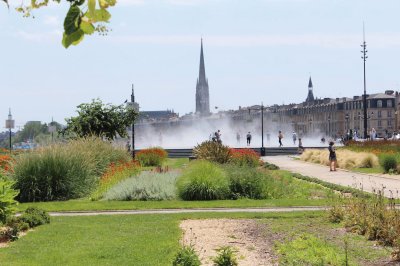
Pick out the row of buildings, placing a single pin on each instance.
(323, 116)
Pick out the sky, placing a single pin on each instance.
(255, 51)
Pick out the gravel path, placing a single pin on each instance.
(368, 182)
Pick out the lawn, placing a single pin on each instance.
(154, 239)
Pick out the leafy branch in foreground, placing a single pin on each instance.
(84, 17)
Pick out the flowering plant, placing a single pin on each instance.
(152, 156)
(244, 157)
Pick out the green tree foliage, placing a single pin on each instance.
(7, 201)
(84, 17)
(100, 120)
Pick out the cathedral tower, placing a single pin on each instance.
(202, 92)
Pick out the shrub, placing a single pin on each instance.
(64, 171)
(270, 166)
(115, 174)
(212, 151)
(147, 186)
(226, 257)
(186, 256)
(203, 180)
(388, 163)
(7, 201)
(244, 157)
(17, 223)
(246, 182)
(35, 217)
(152, 156)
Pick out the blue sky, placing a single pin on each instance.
(255, 51)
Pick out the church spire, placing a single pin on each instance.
(310, 95)
(202, 69)
(202, 92)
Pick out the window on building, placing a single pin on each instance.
(389, 103)
(379, 103)
(379, 123)
(369, 104)
(389, 123)
(389, 114)
(379, 113)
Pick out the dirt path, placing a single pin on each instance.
(247, 237)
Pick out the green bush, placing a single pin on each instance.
(64, 171)
(246, 182)
(186, 256)
(203, 180)
(226, 257)
(270, 166)
(212, 151)
(7, 201)
(152, 156)
(147, 186)
(388, 163)
(35, 217)
(17, 223)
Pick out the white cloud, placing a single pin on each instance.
(52, 21)
(40, 37)
(321, 40)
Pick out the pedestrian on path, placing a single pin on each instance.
(248, 137)
(280, 137)
(332, 156)
(294, 136)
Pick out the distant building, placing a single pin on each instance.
(153, 116)
(202, 90)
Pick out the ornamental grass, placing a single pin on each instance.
(63, 171)
(346, 159)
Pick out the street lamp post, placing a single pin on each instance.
(364, 57)
(10, 123)
(262, 130)
(135, 106)
(347, 117)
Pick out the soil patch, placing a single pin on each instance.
(246, 236)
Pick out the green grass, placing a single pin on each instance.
(176, 163)
(154, 239)
(87, 205)
(324, 241)
(375, 170)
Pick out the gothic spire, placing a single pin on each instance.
(310, 96)
(202, 69)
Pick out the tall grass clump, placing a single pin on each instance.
(63, 171)
(152, 157)
(212, 151)
(203, 180)
(345, 158)
(388, 163)
(147, 186)
(247, 182)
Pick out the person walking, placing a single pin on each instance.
(280, 137)
(218, 136)
(238, 138)
(301, 148)
(332, 156)
(248, 137)
(294, 136)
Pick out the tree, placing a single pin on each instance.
(101, 120)
(84, 17)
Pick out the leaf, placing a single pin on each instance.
(92, 7)
(72, 20)
(107, 3)
(6, 1)
(73, 38)
(102, 15)
(87, 27)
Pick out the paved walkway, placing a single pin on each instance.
(367, 182)
(176, 211)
